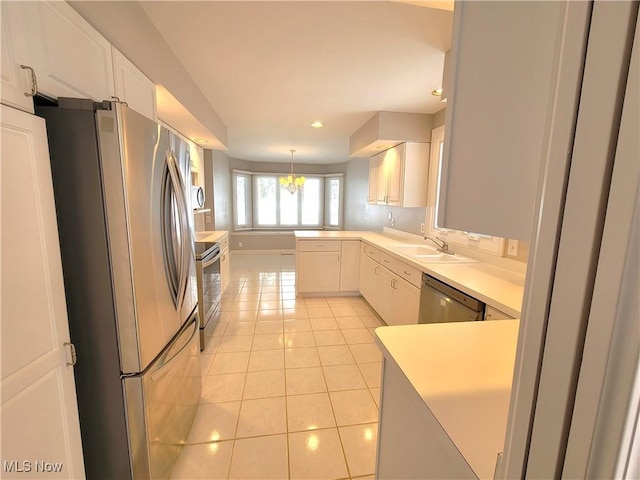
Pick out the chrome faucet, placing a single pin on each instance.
(444, 247)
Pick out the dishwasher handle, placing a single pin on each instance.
(457, 295)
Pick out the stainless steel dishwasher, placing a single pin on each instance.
(441, 303)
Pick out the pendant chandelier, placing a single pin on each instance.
(291, 183)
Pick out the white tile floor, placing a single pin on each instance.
(290, 385)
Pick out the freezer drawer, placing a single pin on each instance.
(162, 403)
(440, 302)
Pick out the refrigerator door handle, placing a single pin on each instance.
(176, 248)
(163, 365)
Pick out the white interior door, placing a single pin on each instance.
(39, 413)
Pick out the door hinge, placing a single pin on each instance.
(72, 354)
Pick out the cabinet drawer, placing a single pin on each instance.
(410, 274)
(370, 252)
(388, 261)
(319, 245)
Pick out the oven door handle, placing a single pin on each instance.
(207, 262)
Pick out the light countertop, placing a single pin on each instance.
(210, 236)
(498, 287)
(463, 379)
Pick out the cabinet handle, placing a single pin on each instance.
(386, 261)
(338, 258)
(320, 246)
(375, 270)
(117, 100)
(72, 350)
(34, 81)
(393, 283)
(407, 273)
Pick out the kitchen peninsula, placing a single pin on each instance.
(444, 398)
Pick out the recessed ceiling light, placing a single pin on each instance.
(200, 140)
(317, 124)
(437, 92)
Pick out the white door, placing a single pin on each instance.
(39, 413)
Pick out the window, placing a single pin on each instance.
(478, 241)
(241, 200)
(333, 201)
(317, 204)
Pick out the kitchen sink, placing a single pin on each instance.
(428, 254)
(416, 250)
(443, 258)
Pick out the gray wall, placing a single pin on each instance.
(359, 215)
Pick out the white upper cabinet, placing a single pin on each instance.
(69, 57)
(133, 87)
(398, 176)
(16, 81)
(503, 58)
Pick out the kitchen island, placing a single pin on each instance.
(444, 398)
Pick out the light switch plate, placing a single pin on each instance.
(512, 248)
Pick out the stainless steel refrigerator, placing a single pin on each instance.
(121, 183)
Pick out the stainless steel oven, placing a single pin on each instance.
(209, 285)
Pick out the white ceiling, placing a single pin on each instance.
(269, 69)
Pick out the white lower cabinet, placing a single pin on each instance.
(390, 286)
(406, 304)
(318, 272)
(327, 266)
(369, 269)
(385, 295)
(350, 265)
(398, 300)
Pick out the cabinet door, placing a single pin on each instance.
(406, 303)
(133, 87)
(39, 408)
(350, 266)
(318, 271)
(386, 294)
(70, 58)
(382, 184)
(225, 269)
(394, 165)
(369, 280)
(16, 81)
(490, 168)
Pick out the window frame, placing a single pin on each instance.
(248, 199)
(251, 200)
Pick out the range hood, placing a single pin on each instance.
(387, 129)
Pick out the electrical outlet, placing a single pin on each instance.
(390, 215)
(512, 248)
(239, 244)
(422, 228)
(393, 222)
